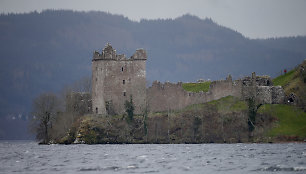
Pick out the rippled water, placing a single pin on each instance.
(28, 157)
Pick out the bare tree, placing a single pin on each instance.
(82, 85)
(61, 125)
(45, 109)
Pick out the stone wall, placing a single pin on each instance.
(115, 79)
(170, 96)
(262, 90)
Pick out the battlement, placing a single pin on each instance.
(158, 84)
(108, 53)
(140, 54)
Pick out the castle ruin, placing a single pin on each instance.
(115, 79)
(170, 96)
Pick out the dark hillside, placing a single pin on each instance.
(45, 51)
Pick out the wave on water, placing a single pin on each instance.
(28, 157)
(277, 168)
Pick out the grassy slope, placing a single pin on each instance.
(284, 79)
(222, 119)
(229, 103)
(293, 81)
(291, 121)
(223, 105)
(197, 87)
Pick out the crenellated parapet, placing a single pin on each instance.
(108, 53)
(140, 54)
(159, 85)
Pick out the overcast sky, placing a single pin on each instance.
(252, 18)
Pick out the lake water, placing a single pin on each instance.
(28, 157)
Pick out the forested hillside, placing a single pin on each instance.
(45, 51)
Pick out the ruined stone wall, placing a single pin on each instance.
(169, 96)
(262, 90)
(115, 78)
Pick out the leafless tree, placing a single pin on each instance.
(82, 85)
(45, 109)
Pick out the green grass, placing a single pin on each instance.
(192, 107)
(291, 121)
(284, 79)
(229, 103)
(225, 104)
(196, 87)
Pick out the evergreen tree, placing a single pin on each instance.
(129, 108)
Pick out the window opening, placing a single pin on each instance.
(123, 81)
(96, 110)
(121, 68)
(124, 93)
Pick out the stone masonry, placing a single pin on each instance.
(169, 96)
(115, 79)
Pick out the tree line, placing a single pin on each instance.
(54, 113)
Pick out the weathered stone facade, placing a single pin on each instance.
(169, 96)
(262, 90)
(115, 79)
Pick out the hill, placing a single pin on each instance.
(48, 50)
(288, 121)
(294, 84)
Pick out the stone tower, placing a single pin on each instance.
(115, 79)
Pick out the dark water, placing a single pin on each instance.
(28, 157)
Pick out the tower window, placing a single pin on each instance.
(124, 93)
(123, 81)
(96, 110)
(121, 68)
